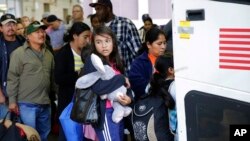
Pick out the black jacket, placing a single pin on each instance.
(65, 76)
(5, 52)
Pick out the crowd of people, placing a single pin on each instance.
(41, 62)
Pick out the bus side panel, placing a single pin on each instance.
(203, 47)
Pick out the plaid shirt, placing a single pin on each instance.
(128, 39)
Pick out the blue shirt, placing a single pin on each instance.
(56, 36)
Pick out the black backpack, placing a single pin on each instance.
(150, 119)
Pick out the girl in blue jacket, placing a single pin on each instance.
(105, 46)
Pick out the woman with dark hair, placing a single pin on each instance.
(142, 67)
(147, 25)
(68, 64)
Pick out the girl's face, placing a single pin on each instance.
(158, 47)
(95, 22)
(19, 29)
(104, 44)
(82, 39)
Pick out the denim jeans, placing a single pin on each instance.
(38, 117)
(3, 110)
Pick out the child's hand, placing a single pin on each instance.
(127, 82)
(124, 99)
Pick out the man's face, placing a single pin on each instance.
(37, 37)
(101, 12)
(9, 29)
(77, 14)
(55, 25)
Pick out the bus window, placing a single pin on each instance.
(208, 117)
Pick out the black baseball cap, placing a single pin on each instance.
(7, 18)
(101, 2)
(52, 18)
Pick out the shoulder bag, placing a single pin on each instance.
(12, 132)
(85, 107)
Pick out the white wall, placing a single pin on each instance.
(35, 8)
(159, 10)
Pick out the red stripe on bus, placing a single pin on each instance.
(234, 29)
(235, 67)
(235, 61)
(234, 55)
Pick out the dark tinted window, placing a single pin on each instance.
(208, 117)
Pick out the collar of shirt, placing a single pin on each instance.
(27, 46)
(152, 58)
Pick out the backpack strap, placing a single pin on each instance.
(169, 100)
(168, 83)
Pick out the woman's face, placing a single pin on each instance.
(25, 22)
(158, 47)
(82, 39)
(147, 25)
(104, 44)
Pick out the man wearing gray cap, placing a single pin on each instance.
(9, 41)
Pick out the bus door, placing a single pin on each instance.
(211, 45)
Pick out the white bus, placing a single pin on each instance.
(211, 42)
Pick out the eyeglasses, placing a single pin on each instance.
(76, 11)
